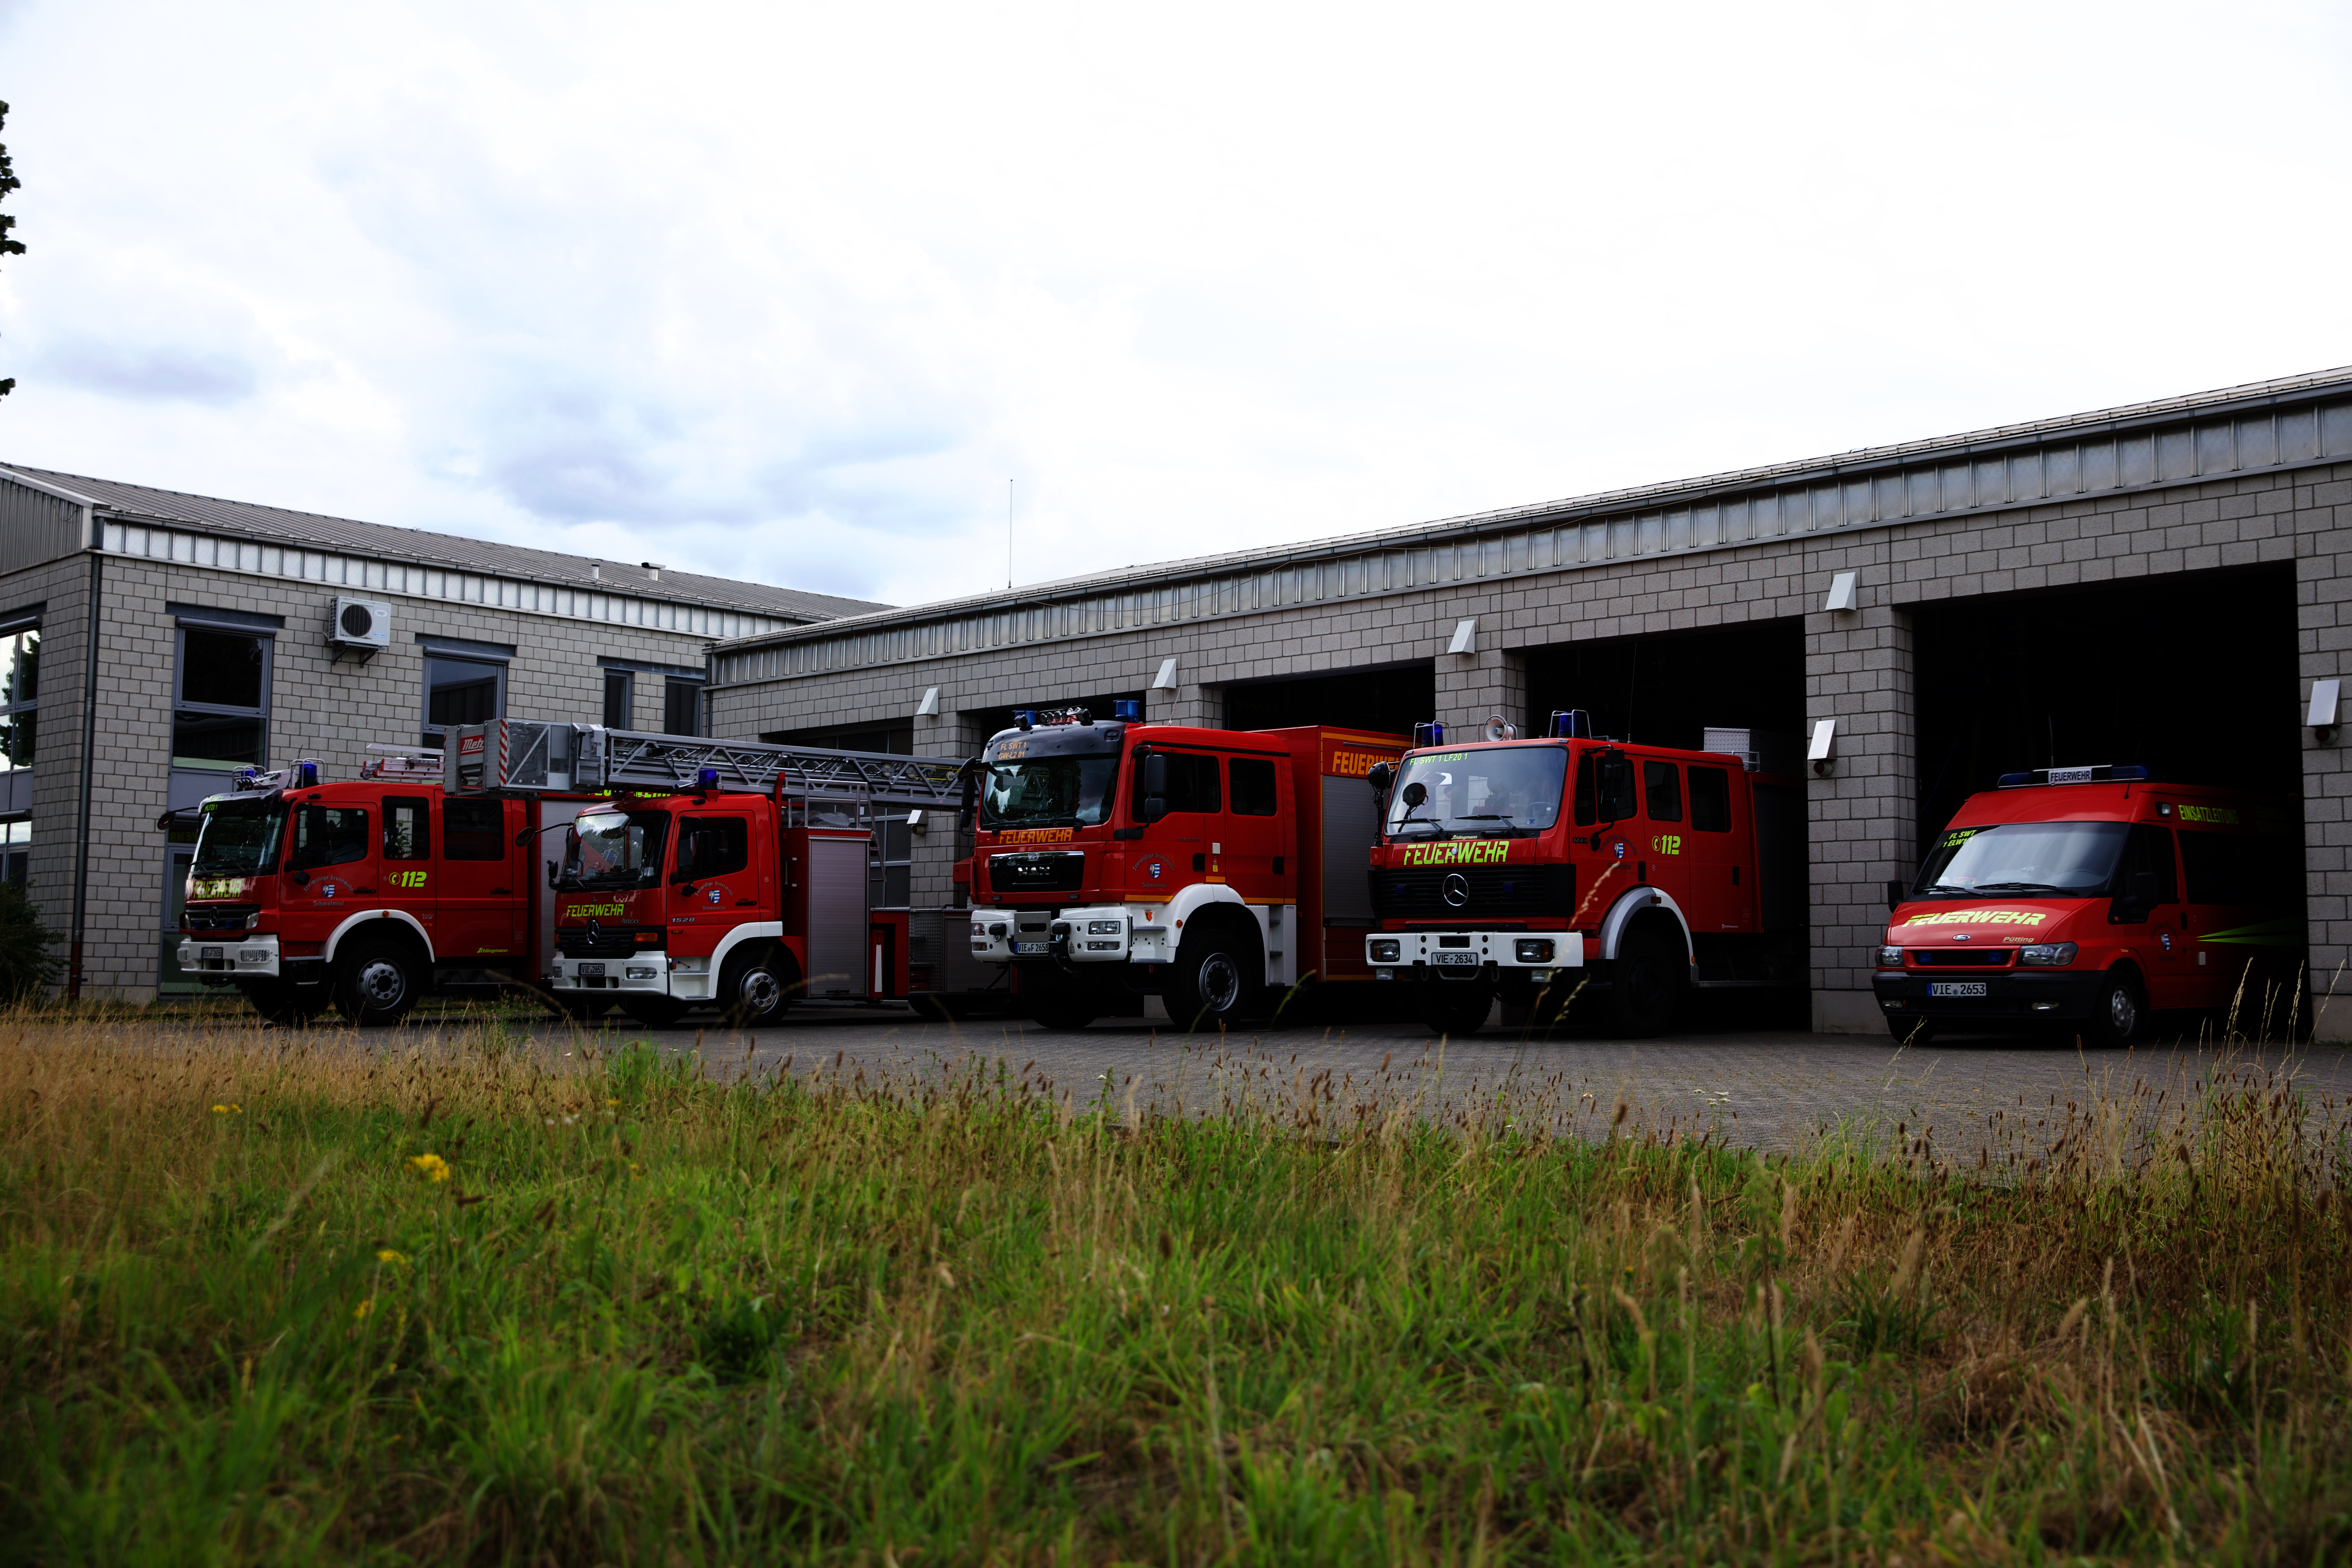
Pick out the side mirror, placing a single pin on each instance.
(551, 873)
(1894, 891)
(1382, 775)
(1415, 793)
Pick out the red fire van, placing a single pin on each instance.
(2089, 897)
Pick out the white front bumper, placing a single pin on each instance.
(1470, 951)
(228, 955)
(1099, 933)
(636, 974)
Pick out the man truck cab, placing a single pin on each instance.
(2089, 897)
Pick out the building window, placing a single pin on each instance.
(681, 706)
(620, 693)
(461, 687)
(20, 670)
(17, 853)
(220, 707)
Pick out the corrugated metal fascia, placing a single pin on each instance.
(2314, 386)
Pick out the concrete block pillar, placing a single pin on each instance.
(1863, 818)
(1201, 705)
(937, 849)
(1471, 688)
(2325, 653)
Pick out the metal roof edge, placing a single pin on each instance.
(47, 488)
(2306, 386)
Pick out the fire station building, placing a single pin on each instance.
(153, 642)
(2161, 584)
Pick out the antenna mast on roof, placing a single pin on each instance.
(1008, 535)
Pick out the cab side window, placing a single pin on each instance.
(1192, 784)
(1710, 800)
(329, 835)
(473, 829)
(2242, 867)
(1661, 783)
(1605, 788)
(407, 829)
(712, 845)
(2147, 848)
(1253, 786)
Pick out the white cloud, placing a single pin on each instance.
(792, 293)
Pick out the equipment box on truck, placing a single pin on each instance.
(2087, 897)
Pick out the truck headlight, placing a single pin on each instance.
(1103, 928)
(1535, 950)
(1890, 958)
(1387, 951)
(2048, 955)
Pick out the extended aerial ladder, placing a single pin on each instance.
(532, 756)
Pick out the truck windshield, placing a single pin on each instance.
(1509, 791)
(2073, 859)
(238, 840)
(1048, 792)
(616, 849)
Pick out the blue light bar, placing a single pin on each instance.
(1025, 717)
(1127, 710)
(1571, 724)
(1429, 732)
(305, 774)
(707, 778)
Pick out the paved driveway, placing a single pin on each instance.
(1774, 1089)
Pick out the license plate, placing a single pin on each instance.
(1956, 988)
(592, 972)
(1037, 947)
(212, 955)
(1467, 960)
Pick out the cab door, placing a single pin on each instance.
(1662, 853)
(1722, 889)
(331, 867)
(405, 879)
(479, 912)
(1259, 860)
(714, 886)
(2160, 934)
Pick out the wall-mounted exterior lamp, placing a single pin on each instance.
(1823, 752)
(1841, 592)
(1166, 680)
(929, 708)
(2322, 716)
(1466, 636)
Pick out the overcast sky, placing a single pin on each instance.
(790, 293)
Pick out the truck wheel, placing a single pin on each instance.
(377, 980)
(654, 1012)
(755, 988)
(1909, 1031)
(2119, 1017)
(1455, 1007)
(1647, 991)
(281, 1004)
(1210, 982)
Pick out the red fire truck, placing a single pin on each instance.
(1543, 870)
(2087, 897)
(366, 894)
(1216, 868)
(721, 874)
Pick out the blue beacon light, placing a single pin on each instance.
(1127, 710)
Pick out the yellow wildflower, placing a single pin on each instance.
(386, 1255)
(362, 1309)
(431, 1167)
(228, 1111)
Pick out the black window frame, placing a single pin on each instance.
(297, 830)
(681, 692)
(1249, 804)
(1653, 770)
(423, 806)
(267, 637)
(20, 712)
(470, 837)
(1185, 770)
(691, 832)
(621, 699)
(1717, 794)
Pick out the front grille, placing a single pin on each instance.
(607, 942)
(215, 917)
(1484, 891)
(1050, 871)
(1960, 958)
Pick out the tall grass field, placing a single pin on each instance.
(270, 1297)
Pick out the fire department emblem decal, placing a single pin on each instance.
(1457, 889)
(2165, 937)
(1151, 870)
(715, 892)
(326, 889)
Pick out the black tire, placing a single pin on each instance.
(1909, 1031)
(1647, 984)
(287, 1007)
(756, 985)
(2119, 1015)
(378, 980)
(1211, 982)
(1054, 999)
(1455, 1007)
(654, 1012)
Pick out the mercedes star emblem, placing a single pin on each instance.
(1457, 889)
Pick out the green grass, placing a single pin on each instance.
(649, 1318)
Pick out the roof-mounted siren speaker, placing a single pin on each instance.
(362, 626)
(1500, 729)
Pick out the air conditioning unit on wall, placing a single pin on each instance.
(362, 626)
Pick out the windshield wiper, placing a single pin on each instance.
(1511, 826)
(2018, 888)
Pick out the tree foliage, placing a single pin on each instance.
(26, 964)
(9, 244)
